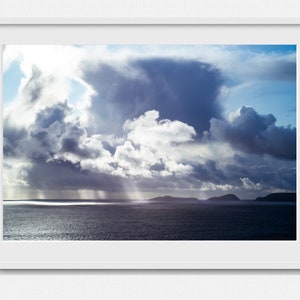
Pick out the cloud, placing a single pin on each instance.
(271, 67)
(256, 65)
(151, 145)
(54, 143)
(147, 130)
(150, 123)
(151, 154)
(209, 187)
(63, 175)
(267, 172)
(12, 136)
(184, 90)
(33, 88)
(254, 133)
(250, 185)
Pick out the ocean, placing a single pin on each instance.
(144, 220)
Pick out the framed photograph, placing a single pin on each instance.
(149, 147)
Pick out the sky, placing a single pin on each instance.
(140, 121)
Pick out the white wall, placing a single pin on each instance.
(144, 285)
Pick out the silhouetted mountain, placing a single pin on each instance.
(228, 197)
(172, 199)
(276, 197)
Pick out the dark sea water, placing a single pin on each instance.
(130, 220)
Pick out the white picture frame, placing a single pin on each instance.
(281, 29)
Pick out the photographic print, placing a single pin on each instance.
(149, 142)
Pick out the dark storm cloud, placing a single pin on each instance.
(47, 136)
(64, 175)
(184, 90)
(261, 170)
(209, 172)
(12, 137)
(49, 115)
(35, 85)
(256, 133)
(46, 133)
(52, 135)
(44, 145)
(254, 168)
(70, 140)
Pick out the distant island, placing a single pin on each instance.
(274, 197)
(172, 199)
(227, 197)
(278, 197)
